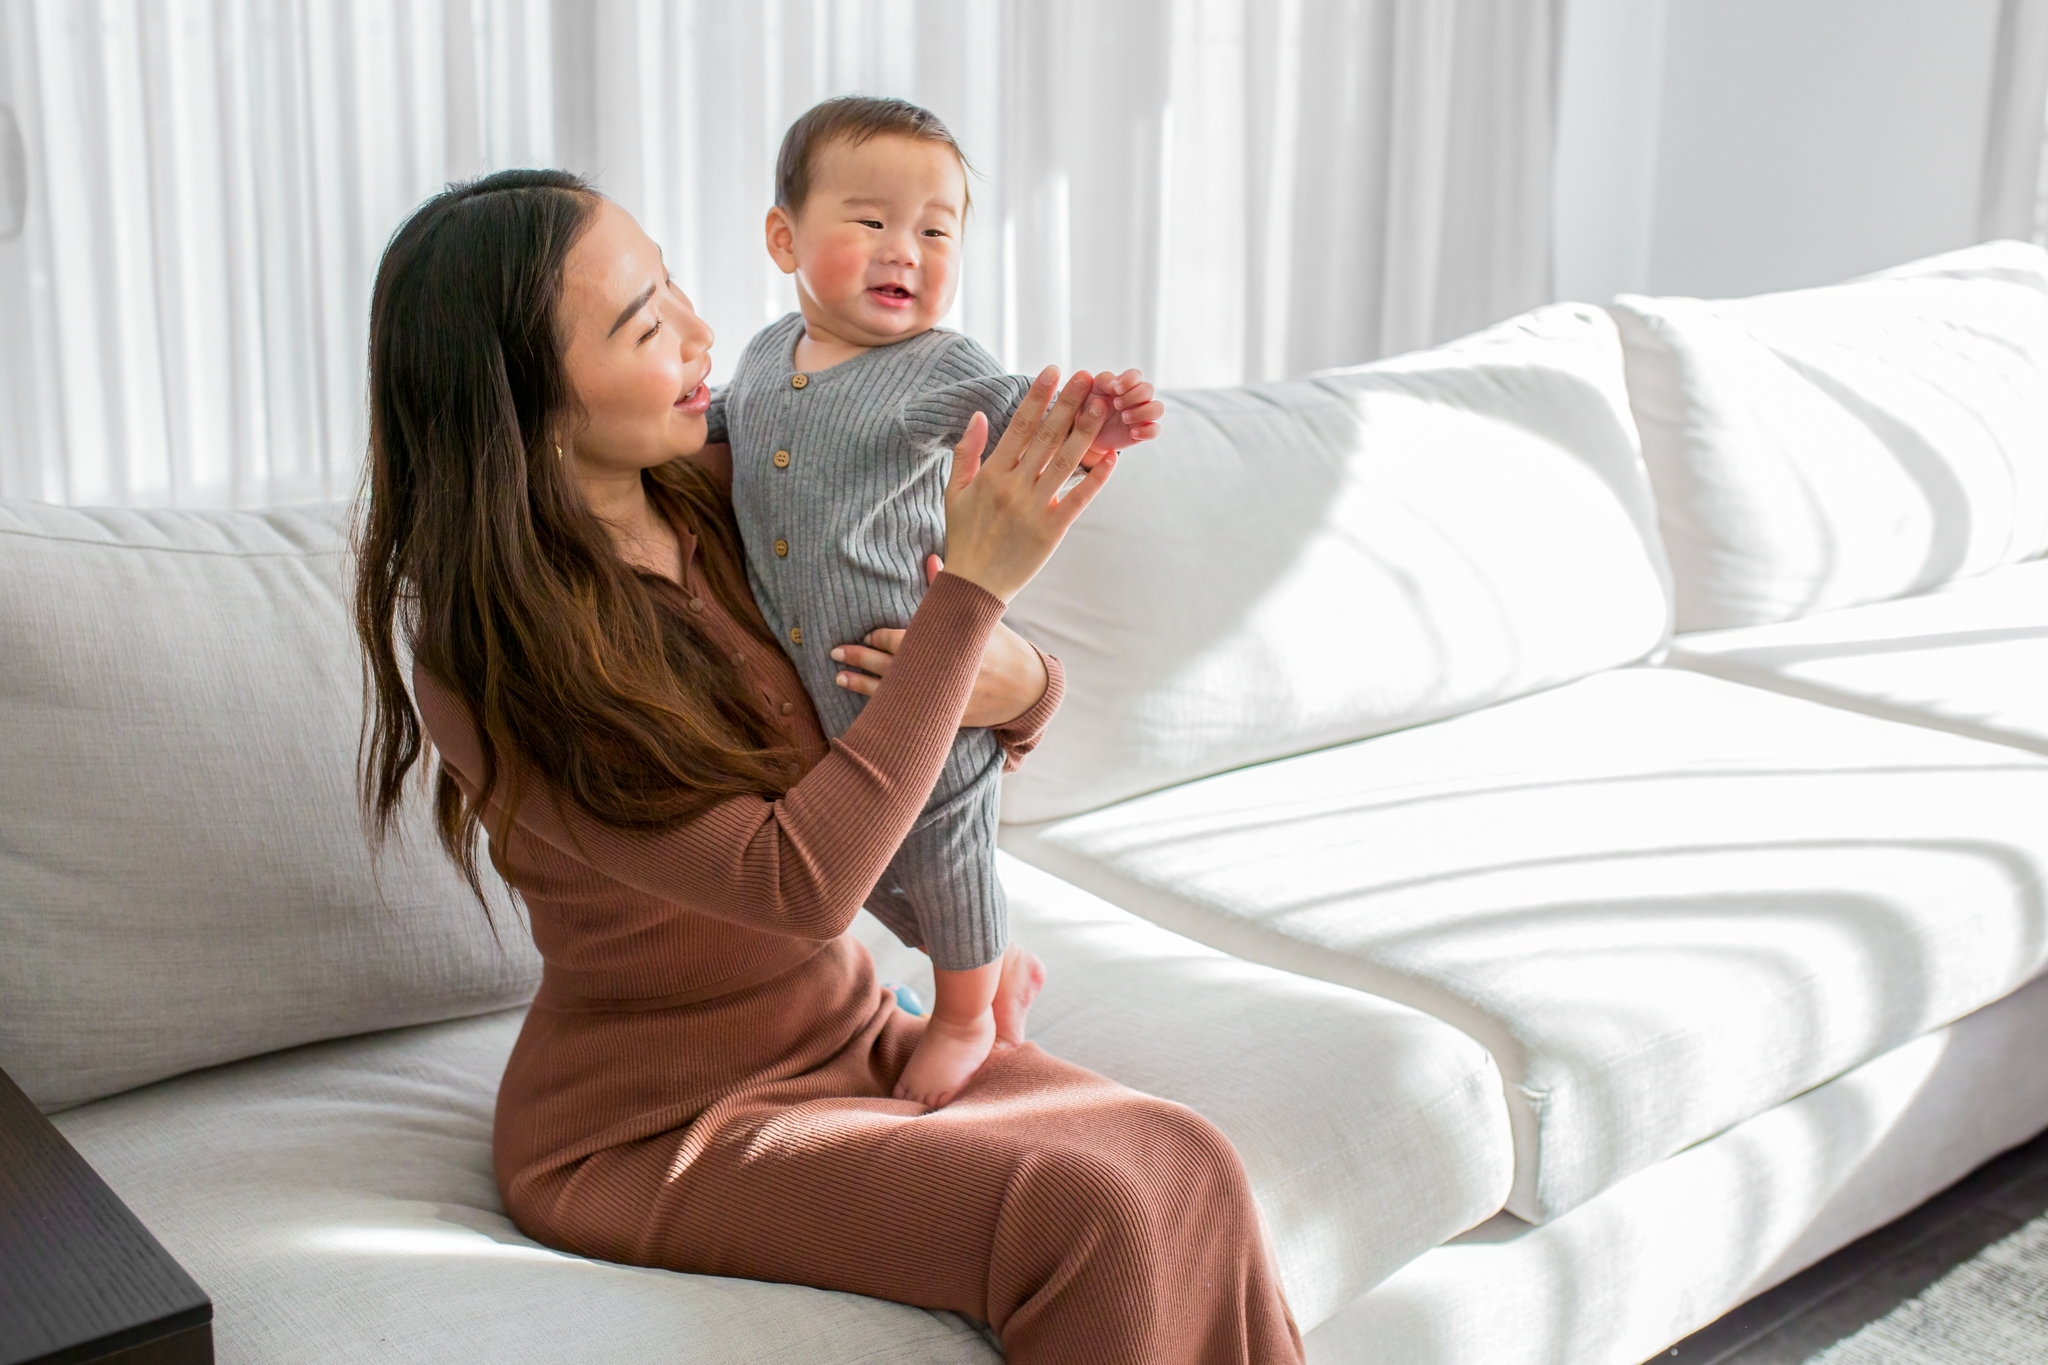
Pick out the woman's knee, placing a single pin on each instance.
(1180, 1140)
(1163, 1163)
(1120, 1225)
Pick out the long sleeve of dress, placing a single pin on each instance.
(800, 865)
(1021, 735)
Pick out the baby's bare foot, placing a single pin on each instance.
(946, 1059)
(1023, 977)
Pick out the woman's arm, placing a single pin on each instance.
(1015, 674)
(802, 864)
(1015, 694)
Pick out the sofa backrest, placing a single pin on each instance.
(1300, 564)
(183, 875)
(1829, 447)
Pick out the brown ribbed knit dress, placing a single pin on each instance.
(703, 1081)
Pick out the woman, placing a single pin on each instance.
(703, 1080)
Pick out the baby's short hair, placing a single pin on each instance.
(855, 118)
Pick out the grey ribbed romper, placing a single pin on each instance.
(838, 483)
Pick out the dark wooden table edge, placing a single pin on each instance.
(82, 1280)
(180, 1340)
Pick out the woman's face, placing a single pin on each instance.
(636, 352)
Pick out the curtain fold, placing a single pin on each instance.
(1216, 191)
(210, 185)
(2010, 202)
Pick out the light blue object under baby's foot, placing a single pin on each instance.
(906, 998)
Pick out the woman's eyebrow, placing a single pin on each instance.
(635, 306)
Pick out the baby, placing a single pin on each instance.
(841, 419)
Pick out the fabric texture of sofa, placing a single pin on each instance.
(1562, 979)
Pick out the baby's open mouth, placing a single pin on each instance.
(892, 293)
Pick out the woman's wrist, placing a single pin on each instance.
(1013, 680)
(981, 579)
(962, 584)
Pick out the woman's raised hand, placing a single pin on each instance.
(1005, 514)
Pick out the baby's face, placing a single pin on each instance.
(876, 246)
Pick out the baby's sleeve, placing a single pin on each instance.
(964, 381)
(715, 432)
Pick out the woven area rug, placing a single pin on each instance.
(1990, 1310)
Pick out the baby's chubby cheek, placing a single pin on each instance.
(838, 273)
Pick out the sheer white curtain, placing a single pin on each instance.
(183, 316)
(1214, 190)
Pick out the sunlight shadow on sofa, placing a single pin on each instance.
(1832, 909)
(1781, 656)
(1662, 1254)
(1982, 685)
(1922, 459)
(1346, 556)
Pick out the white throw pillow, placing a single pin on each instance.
(1829, 447)
(1300, 564)
(183, 875)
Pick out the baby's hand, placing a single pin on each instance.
(1131, 397)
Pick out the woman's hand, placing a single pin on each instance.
(1005, 515)
(1011, 680)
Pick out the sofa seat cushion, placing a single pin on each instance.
(1823, 448)
(1300, 564)
(337, 1201)
(1670, 1249)
(337, 1204)
(1665, 902)
(183, 875)
(1971, 657)
(1371, 1131)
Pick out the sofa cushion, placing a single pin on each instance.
(1664, 902)
(337, 1200)
(337, 1204)
(1669, 1250)
(1371, 1131)
(1829, 447)
(1300, 564)
(1971, 657)
(183, 875)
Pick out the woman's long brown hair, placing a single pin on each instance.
(476, 553)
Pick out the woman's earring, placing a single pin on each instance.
(558, 450)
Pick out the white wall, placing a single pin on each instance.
(1610, 87)
(1719, 147)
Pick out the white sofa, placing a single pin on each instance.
(1563, 981)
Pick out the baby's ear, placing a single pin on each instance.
(781, 234)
